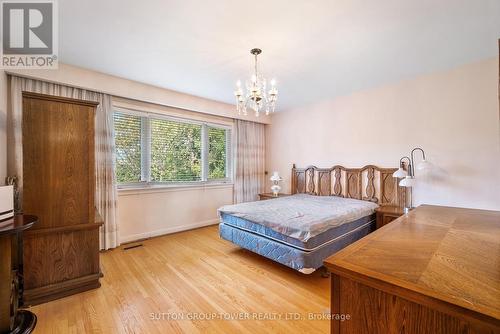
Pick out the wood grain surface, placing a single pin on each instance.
(62, 250)
(193, 272)
(5, 282)
(444, 259)
(58, 161)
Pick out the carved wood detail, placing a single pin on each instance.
(370, 187)
(324, 182)
(298, 180)
(310, 182)
(389, 188)
(370, 183)
(353, 184)
(337, 189)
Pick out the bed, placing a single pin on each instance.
(329, 209)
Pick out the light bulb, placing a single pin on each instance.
(273, 82)
(238, 83)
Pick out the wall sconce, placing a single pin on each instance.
(408, 176)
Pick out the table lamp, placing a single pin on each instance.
(275, 188)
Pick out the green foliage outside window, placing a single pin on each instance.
(172, 150)
(216, 153)
(175, 151)
(128, 147)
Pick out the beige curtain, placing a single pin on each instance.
(106, 195)
(250, 160)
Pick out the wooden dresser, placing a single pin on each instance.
(61, 252)
(434, 270)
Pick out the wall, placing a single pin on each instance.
(453, 115)
(83, 78)
(149, 213)
(144, 213)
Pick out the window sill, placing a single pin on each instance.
(161, 188)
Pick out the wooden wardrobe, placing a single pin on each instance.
(61, 252)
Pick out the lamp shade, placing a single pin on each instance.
(400, 173)
(408, 181)
(424, 165)
(275, 177)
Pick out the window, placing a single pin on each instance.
(128, 147)
(217, 144)
(153, 149)
(175, 151)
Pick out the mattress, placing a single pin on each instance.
(304, 221)
(304, 261)
(307, 245)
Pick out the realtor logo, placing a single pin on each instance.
(29, 34)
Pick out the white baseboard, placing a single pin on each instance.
(168, 230)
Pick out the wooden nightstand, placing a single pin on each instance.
(264, 196)
(386, 214)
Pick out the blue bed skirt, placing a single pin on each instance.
(288, 254)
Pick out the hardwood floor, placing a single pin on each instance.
(191, 274)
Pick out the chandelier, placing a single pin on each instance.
(256, 96)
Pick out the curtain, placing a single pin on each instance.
(250, 160)
(106, 194)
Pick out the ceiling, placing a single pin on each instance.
(316, 49)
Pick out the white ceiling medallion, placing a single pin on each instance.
(256, 96)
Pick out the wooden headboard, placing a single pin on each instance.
(369, 183)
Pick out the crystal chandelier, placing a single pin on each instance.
(256, 96)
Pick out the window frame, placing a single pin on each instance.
(146, 151)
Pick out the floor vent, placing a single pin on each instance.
(131, 246)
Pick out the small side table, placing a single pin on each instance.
(386, 214)
(13, 320)
(265, 196)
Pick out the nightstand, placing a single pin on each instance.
(265, 196)
(386, 214)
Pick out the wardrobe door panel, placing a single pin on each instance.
(58, 162)
(61, 252)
